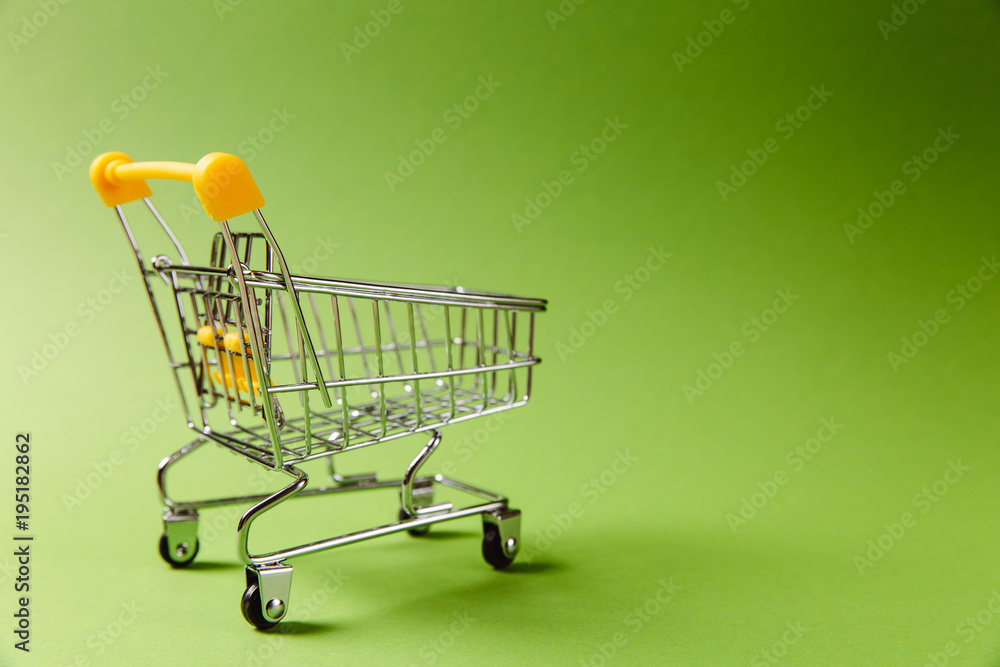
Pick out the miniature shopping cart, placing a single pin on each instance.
(285, 370)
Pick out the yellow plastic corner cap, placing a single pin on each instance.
(205, 335)
(114, 194)
(207, 338)
(232, 342)
(225, 187)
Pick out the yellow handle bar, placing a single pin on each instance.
(222, 181)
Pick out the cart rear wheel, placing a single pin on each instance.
(415, 532)
(493, 548)
(182, 556)
(250, 606)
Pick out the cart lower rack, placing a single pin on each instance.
(286, 369)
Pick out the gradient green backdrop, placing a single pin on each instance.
(101, 594)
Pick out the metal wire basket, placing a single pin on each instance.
(285, 369)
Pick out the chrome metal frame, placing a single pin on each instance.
(421, 516)
(363, 401)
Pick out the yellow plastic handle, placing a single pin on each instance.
(222, 181)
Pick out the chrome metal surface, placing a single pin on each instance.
(275, 583)
(337, 478)
(285, 369)
(275, 608)
(398, 359)
(509, 524)
(406, 490)
(181, 528)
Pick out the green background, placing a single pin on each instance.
(622, 391)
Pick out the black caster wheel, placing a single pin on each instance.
(493, 548)
(250, 606)
(415, 532)
(182, 557)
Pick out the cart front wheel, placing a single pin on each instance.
(180, 557)
(493, 550)
(250, 606)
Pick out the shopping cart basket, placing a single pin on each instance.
(286, 370)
